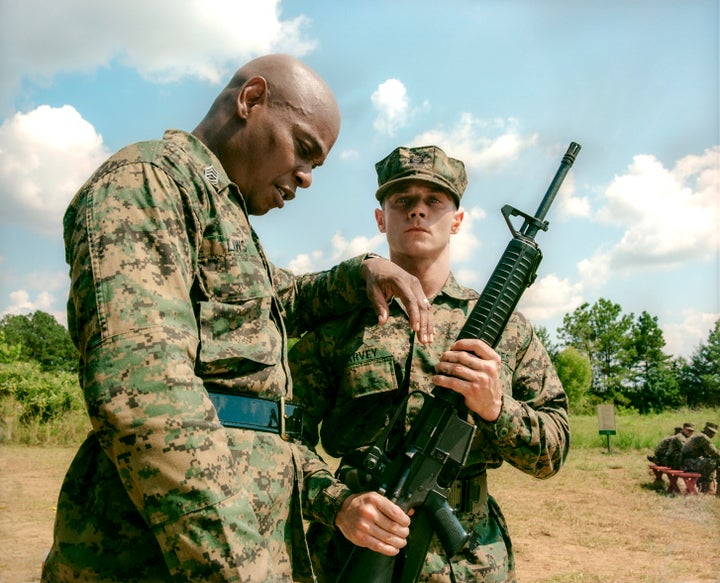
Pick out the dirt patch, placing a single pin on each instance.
(30, 480)
(597, 521)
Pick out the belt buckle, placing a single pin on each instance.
(283, 416)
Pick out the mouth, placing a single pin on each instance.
(284, 195)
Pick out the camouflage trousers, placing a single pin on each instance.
(100, 535)
(702, 465)
(487, 558)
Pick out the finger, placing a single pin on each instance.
(423, 321)
(452, 382)
(384, 548)
(475, 346)
(379, 303)
(427, 324)
(394, 514)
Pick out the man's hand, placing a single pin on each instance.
(384, 280)
(472, 368)
(370, 520)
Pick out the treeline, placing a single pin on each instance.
(602, 356)
(40, 397)
(607, 356)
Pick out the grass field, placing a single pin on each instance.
(600, 520)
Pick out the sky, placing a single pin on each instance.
(503, 85)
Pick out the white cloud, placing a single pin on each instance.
(670, 216)
(164, 40)
(349, 155)
(306, 263)
(468, 277)
(343, 249)
(595, 271)
(549, 297)
(464, 244)
(481, 144)
(47, 154)
(393, 106)
(340, 249)
(22, 303)
(570, 205)
(683, 338)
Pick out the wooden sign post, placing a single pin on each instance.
(606, 421)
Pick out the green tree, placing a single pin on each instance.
(9, 352)
(544, 336)
(42, 339)
(602, 332)
(700, 378)
(653, 385)
(575, 372)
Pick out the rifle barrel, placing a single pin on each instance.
(530, 229)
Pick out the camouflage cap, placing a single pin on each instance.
(690, 426)
(427, 163)
(710, 429)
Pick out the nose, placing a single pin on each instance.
(303, 176)
(416, 210)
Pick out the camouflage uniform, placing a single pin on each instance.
(673, 453)
(172, 296)
(700, 455)
(352, 375)
(660, 456)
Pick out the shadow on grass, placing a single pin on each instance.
(655, 487)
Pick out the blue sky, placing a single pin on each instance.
(504, 85)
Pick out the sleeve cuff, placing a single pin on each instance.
(503, 429)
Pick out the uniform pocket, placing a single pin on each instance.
(233, 336)
(369, 371)
(237, 331)
(232, 275)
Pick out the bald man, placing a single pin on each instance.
(192, 471)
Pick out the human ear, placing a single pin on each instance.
(457, 221)
(380, 220)
(252, 93)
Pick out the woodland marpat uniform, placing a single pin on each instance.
(352, 374)
(699, 454)
(172, 296)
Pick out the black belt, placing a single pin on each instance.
(258, 414)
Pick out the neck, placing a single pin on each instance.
(432, 272)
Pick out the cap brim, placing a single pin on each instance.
(382, 191)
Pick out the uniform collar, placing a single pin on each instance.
(201, 157)
(456, 291)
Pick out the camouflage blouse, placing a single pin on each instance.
(171, 295)
(352, 374)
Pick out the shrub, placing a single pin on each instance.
(40, 407)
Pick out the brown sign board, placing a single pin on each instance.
(606, 419)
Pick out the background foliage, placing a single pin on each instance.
(604, 356)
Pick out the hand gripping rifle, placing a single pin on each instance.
(437, 445)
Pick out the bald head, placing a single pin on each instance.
(290, 83)
(275, 110)
(288, 80)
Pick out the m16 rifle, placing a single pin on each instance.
(436, 447)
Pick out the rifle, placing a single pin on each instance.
(436, 447)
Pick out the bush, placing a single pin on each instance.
(40, 407)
